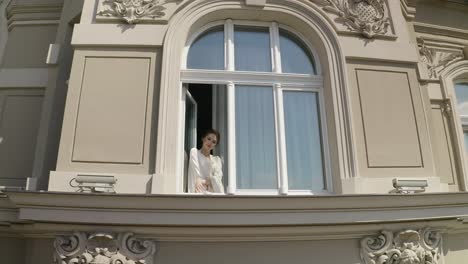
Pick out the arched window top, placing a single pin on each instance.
(295, 58)
(461, 91)
(252, 47)
(207, 51)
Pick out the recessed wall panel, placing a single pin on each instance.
(20, 113)
(27, 46)
(110, 126)
(388, 119)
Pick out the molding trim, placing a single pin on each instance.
(437, 30)
(448, 76)
(405, 247)
(134, 11)
(367, 17)
(408, 7)
(23, 15)
(99, 248)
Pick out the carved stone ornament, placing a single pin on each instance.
(103, 248)
(435, 60)
(368, 17)
(133, 11)
(406, 247)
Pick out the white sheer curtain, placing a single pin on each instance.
(252, 49)
(294, 56)
(220, 124)
(255, 138)
(461, 91)
(303, 141)
(207, 51)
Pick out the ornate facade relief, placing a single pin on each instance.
(434, 59)
(103, 248)
(406, 247)
(367, 17)
(134, 11)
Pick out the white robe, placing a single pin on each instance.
(203, 167)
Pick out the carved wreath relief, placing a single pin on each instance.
(133, 11)
(368, 17)
(407, 247)
(103, 248)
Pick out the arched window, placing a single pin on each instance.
(260, 85)
(461, 92)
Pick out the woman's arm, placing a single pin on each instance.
(216, 176)
(194, 180)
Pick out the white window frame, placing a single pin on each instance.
(463, 118)
(279, 81)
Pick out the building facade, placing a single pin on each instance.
(344, 131)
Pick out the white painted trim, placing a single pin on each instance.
(282, 160)
(275, 48)
(229, 46)
(328, 180)
(448, 77)
(258, 78)
(231, 113)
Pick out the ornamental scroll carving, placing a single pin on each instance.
(134, 11)
(406, 247)
(367, 17)
(103, 248)
(435, 60)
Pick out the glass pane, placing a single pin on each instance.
(207, 52)
(303, 141)
(294, 55)
(465, 138)
(252, 49)
(255, 138)
(461, 90)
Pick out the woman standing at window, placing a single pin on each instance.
(205, 170)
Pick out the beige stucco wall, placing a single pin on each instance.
(385, 140)
(27, 46)
(300, 252)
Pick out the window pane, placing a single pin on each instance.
(207, 52)
(294, 55)
(303, 141)
(465, 138)
(252, 49)
(255, 138)
(461, 91)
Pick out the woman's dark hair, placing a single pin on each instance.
(212, 131)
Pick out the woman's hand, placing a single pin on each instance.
(200, 185)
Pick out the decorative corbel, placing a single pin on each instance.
(405, 247)
(435, 60)
(101, 248)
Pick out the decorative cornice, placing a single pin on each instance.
(134, 11)
(33, 14)
(438, 30)
(405, 247)
(367, 17)
(408, 7)
(103, 248)
(435, 60)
